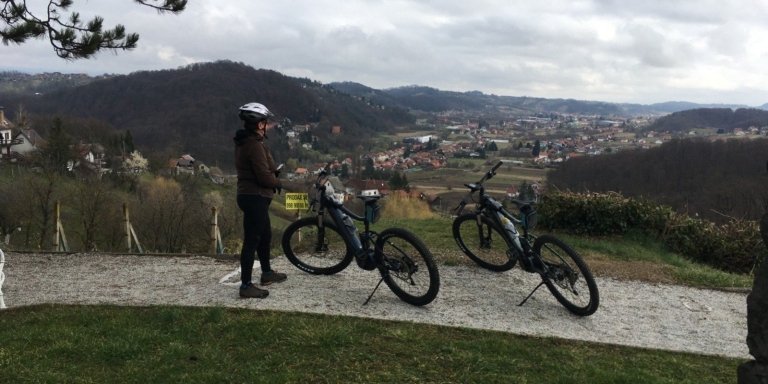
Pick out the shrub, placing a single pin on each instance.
(735, 246)
(601, 213)
(405, 207)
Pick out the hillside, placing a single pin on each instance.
(435, 100)
(12, 82)
(428, 99)
(710, 179)
(718, 118)
(194, 109)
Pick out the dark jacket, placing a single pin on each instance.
(254, 164)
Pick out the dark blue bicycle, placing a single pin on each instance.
(490, 237)
(328, 242)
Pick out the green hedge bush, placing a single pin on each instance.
(735, 246)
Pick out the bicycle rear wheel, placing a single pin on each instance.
(484, 243)
(316, 250)
(568, 277)
(407, 266)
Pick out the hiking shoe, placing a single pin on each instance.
(272, 277)
(253, 291)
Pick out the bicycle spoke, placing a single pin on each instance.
(567, 276)
(483, 243)
(404, 261)
(407, 266)
(315, 249)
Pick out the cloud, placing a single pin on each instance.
(611, 50)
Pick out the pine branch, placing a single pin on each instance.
(71, 38)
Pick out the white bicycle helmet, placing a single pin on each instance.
(254, 112)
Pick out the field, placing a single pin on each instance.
(448, 183)
(173, 344)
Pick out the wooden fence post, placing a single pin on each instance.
(2, 279)
(127, 224)
(59, 239)
(214, 223)
(217, 247)
(130, 234)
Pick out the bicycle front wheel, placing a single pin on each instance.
(407, 266)
(483, 242)
(314, 249)
(567, 276)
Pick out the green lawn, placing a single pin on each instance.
(618, 254)
(100, 344)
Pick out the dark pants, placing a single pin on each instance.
(257, 234)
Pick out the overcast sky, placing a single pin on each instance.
(708, 51)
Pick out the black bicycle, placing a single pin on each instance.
(490, 238)
(328, 242)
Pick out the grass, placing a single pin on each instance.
(86, 344)
(629, 257)
(632, 256)
(641, 258)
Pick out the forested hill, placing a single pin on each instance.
(194, 109)
(435, 100)
(719, 118)
(712, 179)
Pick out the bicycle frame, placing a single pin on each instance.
(396, 253)
(491, 208)
(498, 215)
(360, 243)
(558, 265)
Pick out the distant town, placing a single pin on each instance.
(543, 140)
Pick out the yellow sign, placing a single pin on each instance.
(296, 201)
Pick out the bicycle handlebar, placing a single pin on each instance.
(488, 175)
(474, 187)
(320, 186)
(325, 171)
(477, 187)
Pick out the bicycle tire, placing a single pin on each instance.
(490, 250)
(300, 245)
(566, 284)
(403, 261)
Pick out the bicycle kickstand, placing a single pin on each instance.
(374, 291)
(530, 294)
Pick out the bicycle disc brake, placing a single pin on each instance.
(564, 276)
(402, 267)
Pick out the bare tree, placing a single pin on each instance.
(11, 213)
(171, 217)
(41, 195)
(91, 200)
(70, 37)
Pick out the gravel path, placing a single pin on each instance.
(631, 313)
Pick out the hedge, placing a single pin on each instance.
(735, 246)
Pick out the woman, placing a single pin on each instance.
(257, 183)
